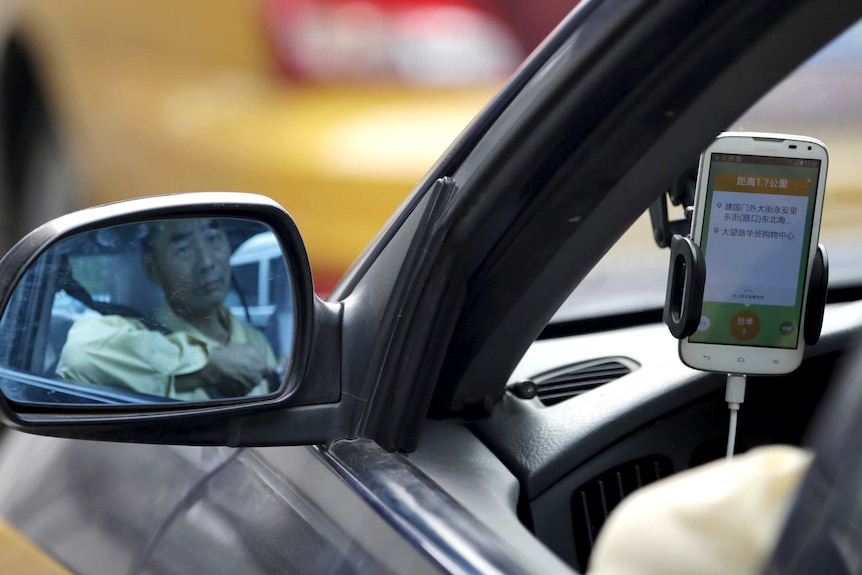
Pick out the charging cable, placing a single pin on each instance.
(734, 394)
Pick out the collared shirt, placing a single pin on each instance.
(123, 352)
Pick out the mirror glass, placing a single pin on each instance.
(183, 309)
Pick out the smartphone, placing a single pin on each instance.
(757, 208)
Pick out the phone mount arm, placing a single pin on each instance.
(816, 305)
(687, 275)
(685, 281)
(684, 304)
(681, 193)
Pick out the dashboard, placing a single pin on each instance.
(642, 415)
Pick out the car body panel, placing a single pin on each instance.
(281, 509)
(262, 509)
(92, 503)
(196, 492)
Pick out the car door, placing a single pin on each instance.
(111, 497)
(279, 510)
(118, 508)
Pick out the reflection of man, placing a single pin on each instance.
(200, 350)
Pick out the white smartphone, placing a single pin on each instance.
(757, 209)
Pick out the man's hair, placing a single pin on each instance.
(151, 229)
(148, 233)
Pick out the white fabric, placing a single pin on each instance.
(720, 518)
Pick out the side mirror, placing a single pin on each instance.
(188, 312)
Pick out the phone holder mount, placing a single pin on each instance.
(685, 281)
(687, 275)
(681, 193)
(684, 303)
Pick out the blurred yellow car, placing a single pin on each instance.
(334, 108)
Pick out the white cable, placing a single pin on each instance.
(731, 435)
(734, 395)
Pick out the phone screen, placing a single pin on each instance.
(756, 239)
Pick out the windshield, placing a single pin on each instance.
(821, 99)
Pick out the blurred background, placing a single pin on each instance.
(334, 108)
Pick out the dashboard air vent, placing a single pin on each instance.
(565, 382)
(593, 501)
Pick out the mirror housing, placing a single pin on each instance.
(302, 406)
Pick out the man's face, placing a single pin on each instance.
(190, 260)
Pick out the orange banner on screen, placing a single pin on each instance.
(763, 184)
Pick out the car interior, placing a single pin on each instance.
(601, 404)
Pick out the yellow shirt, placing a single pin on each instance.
(123, 352)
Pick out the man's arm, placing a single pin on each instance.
(122, 352)
(232, 371)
